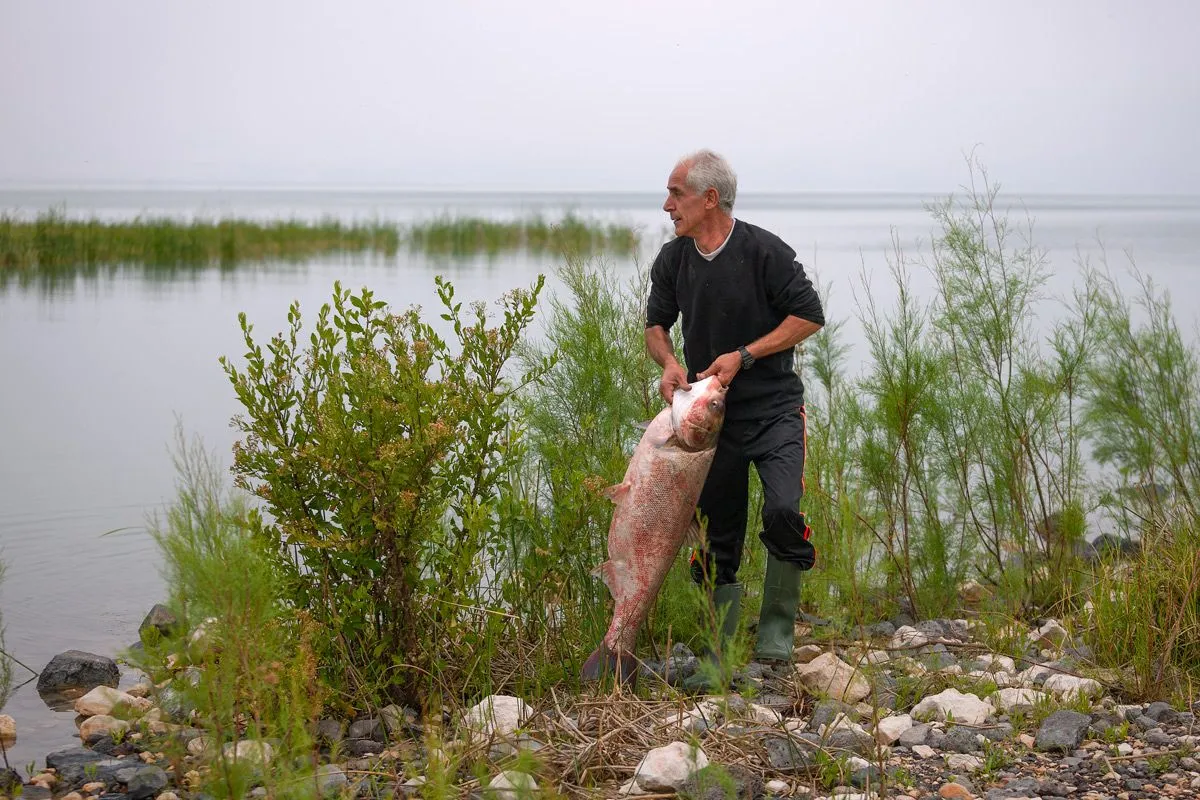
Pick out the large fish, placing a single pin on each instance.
(655, 513)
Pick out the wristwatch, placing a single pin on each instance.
(747, 359)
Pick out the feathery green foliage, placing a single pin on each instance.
(250, 666)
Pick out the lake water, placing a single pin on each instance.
(96, 373)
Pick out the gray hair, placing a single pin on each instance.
(706, 170)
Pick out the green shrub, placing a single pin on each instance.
(379, 450)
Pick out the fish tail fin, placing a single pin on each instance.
(603, 661)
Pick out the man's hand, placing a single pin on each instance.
(725, 367)
(674, 377)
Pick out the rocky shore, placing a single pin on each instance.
(922, 710)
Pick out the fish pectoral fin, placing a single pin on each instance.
(613, 573)
(616, 491)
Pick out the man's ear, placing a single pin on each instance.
(711, 198)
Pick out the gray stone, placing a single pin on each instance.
(175, 704)
(1104, 721)
(932, 628)
(369, 728)
(794, 755)
(361, 747)
(330, 731)
(827, 710)
(75, 669)
(860, 743)
(1001, 732)
(868, 776)
(331, 780)
(1145, 723)
(1161, 712)
(1063, 731)
(162, 620)
(147, 782)
(962, 740)
(72, 756)
(711, 783)
(1159, 738)
(915, 735)
(880, 630)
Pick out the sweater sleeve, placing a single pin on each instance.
(789, 290)
(662, 307)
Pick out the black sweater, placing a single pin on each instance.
(742, 294)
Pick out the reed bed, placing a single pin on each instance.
(53, 242)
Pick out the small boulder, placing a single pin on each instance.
(497, 715)
(104, 699)
(146, 783)
(907, 637)
(512, 785)
(76, 669)
(1062, 731)
(1069, 687)
(92, 728)
(8, 730)
(331, 780)
(666, 769)
(966, 709)
(162, 621)
(828, 674)
(1051, 634)
(892, 728)
(250, 751)
(1009, 700)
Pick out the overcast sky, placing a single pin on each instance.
(1060, 96)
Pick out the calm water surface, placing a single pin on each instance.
(97, 373)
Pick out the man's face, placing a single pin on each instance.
(686, 206)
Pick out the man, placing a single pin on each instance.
(746, 303)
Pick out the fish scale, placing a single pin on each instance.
(654, 514)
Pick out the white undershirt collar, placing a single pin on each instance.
(717, 252)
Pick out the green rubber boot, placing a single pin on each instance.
(777, 618)
(727, 600)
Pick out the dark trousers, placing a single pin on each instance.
(776, 448)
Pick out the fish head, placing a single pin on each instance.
(698, 413)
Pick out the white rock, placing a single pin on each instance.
(101, 724)
(1005, 680)
(961, 762)
(1068, 687)
(907, 637)
(966, 709)
(8, 730)
(840, 722)
(167, 796)
(923, 751)
(764, 715)
(951, 669)
(1125, 749)
(630, 788)
(140, 689)
(512, 785)
(198, 746)
(1126, 710)
(249, 750)
(855, 763)
(776, 786)
(1007, 700)
(878, 657)
(794, 724)
(665, 769)
(828, 674)
(498, 715)
(891, 728)
(104, 699)
(997, 663)
(1051, 634)
(910, 666)
(1031, 675)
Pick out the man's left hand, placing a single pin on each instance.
(725, 367)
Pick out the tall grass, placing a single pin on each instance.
(250, 667)
(53, 245)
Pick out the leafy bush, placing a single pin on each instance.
(379, 450)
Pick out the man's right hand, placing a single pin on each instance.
(674, 377)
